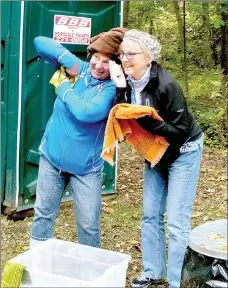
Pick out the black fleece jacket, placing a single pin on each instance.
(163, 93)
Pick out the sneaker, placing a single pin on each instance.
(145, 282)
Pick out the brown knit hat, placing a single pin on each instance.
(106, 42)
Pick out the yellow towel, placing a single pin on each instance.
(12, 275)
(121, 123)
(59, 76)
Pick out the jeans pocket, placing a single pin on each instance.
(192, 146)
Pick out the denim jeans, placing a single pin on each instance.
(86, 194)
(177, 185)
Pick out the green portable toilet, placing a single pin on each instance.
(28, 98)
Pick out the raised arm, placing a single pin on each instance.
(54, 52)
(92, 111)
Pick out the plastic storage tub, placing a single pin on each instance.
(57, 263)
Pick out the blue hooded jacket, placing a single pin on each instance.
(73, 138)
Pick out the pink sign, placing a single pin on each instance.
(71, 29)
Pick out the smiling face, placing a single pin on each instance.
(99, 66)
(137, 66)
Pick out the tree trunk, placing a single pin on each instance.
(179, 24)
(151, 27)
(224, 39)
(126, 10)
(207, 34)
(185, 50)
(216, 37)
(224, 47)
(151, 22)
(182, 39)
(206, 19)
(215, 41)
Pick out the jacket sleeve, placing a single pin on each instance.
(92, 111)
(121, 95)
(52, 51)
(175, 127)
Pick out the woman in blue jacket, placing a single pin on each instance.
(72, 142)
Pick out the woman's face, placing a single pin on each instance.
(135, 62)
(99, 66)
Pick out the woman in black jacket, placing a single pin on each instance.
(175, 177)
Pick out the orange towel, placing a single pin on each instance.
(121, 123)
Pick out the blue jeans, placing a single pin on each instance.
(86, 194)
(178, 185)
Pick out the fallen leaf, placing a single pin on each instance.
(123, 187)
(105, 204)
(197, 214)
(137, 248)
(197, 203)
(108, 210)
(134, 242)
(217, 237)
(134, 268)
(135, 216)
(209, 190)
(18, 249)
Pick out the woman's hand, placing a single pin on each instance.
(116, 74)
(73, 71)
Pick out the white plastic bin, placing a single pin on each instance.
(57, 263)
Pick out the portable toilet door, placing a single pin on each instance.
(10, 36)
(4, 73)
(28, 97)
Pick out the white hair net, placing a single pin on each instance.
(149, 42)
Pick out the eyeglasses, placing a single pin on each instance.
(129, 56)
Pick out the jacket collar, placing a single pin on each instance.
(154, 69)
(153, 83)
(90, 81)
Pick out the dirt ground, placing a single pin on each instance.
(120, 223)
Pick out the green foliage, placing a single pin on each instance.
(217, 22)
(159, 17)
